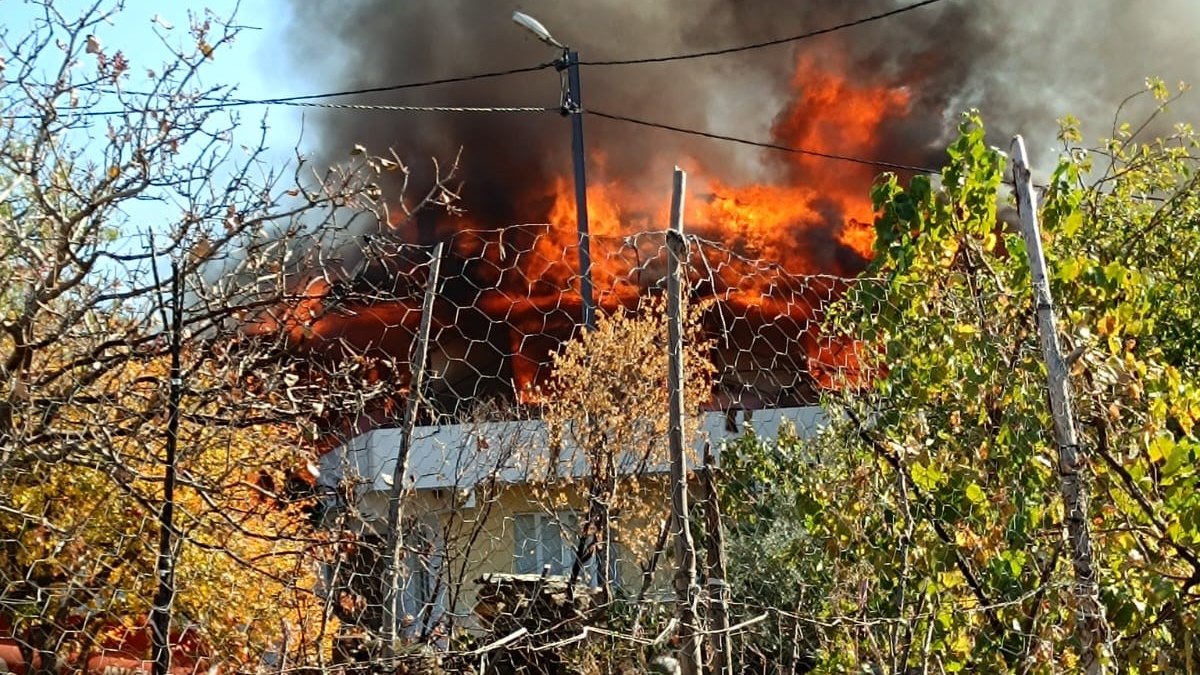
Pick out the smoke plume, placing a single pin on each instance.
(1023, 63)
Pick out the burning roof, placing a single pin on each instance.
(779, 233)
(768, 258)
(510, 298)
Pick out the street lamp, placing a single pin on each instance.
(572, 105)
(534, 26)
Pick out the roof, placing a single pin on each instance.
(458, 456)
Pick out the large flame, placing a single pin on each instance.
(517, 299)
(829, 116)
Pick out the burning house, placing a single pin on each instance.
(778, 229)
(769, 257)
(849, 104)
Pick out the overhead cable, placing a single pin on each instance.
(763, 144)
(769, 43)
(421, 108)
(299, 99)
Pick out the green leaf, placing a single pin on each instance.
(976, 494)
(1070, 269)
(926, 477)
(1160, 448)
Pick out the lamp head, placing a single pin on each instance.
(534, 26)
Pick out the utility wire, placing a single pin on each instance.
(299, 99)
(769, 43)
(760, 144)
(406, 85)
(420, 108)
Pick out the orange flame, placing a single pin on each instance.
(830, 115)
(815, 207)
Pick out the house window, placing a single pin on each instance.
(551, 539)
(543, 539)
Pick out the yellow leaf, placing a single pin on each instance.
(113, 172)
(1106, 325)
(962, 644)
(976, 494)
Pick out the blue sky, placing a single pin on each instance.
(256, 63)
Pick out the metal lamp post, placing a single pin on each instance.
(572, 105)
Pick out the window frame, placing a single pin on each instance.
(566, 522)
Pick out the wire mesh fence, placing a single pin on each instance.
(535, 530)
(540, 466)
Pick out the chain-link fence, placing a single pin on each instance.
(513, 512)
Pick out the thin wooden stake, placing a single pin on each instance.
(1090, 625)
(686, 591)
(394, 549)
(720, 640)
(168, 551)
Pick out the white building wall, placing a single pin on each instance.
(457, 456)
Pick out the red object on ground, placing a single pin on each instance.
(121, 649)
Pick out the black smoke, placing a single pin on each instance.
(1023, 63)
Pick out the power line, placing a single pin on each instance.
(769, 43)
(299, 99)
(760, 144)
(420, 108)
(398, 87)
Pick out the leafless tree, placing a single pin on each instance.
(139, 221)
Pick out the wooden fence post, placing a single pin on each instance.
(720, 641)
(394, 548)
(1090, 625)
(686, 591)
(168, 548)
